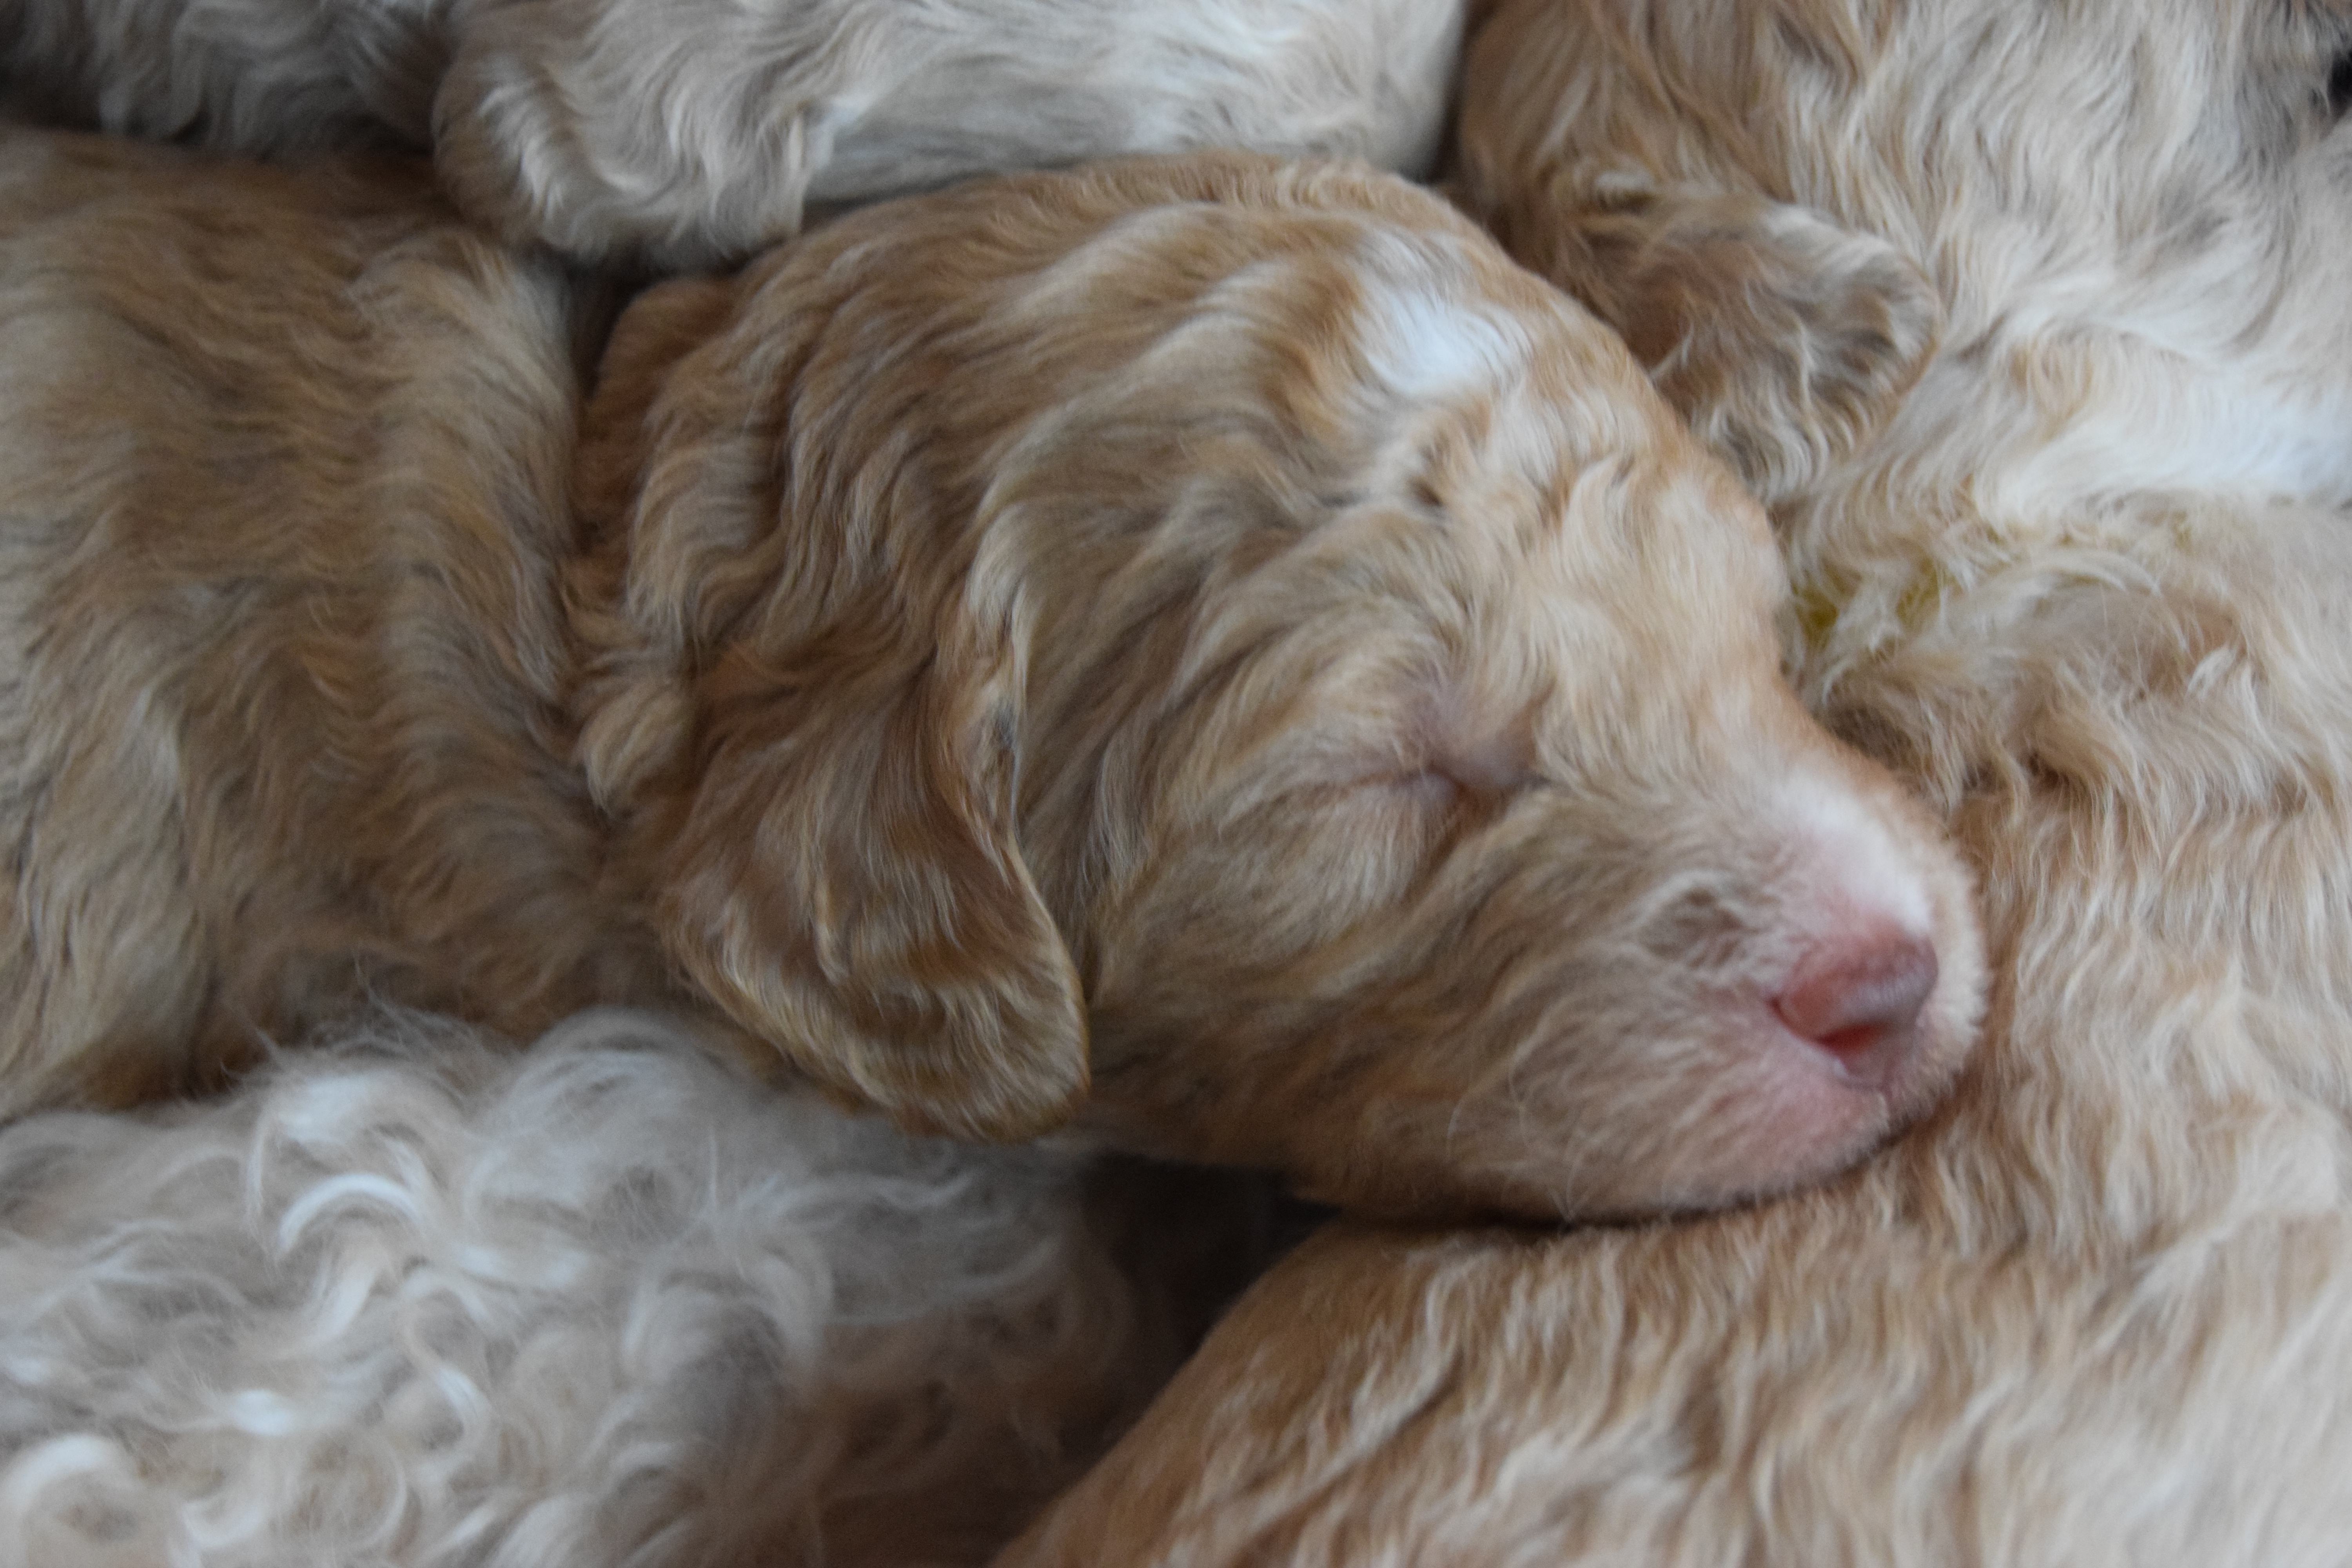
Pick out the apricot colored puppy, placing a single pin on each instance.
(1213, 627)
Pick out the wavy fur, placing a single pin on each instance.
(2072, 555)
(681, 133)
(416, 1298)
(1208, 629)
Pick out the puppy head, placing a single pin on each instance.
(1237, 596)
(1418, 782)
(2128, 226)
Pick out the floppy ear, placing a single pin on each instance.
(1783, 338)
(842, 878)
(806, 711)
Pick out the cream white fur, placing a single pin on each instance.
(681, 132)
(699, 128)
(1424, 349)
(416, 1300)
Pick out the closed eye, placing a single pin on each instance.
(1468, 798)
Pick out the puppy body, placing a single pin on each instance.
(1196, 614)
(679, 134)
(685, 133)
(2129, 290)
(284, 490)
(264, 77)
(415, 1299)
(2095, 1313)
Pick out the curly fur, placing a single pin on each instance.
(2059, 442)
(1209, 629)
(416, 1299)
(680, 132)
(1379, 620)
(701, 129)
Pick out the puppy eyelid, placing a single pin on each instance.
(1440, 779)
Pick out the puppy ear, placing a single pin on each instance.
(804, 666)
(811, 740)
(842, 878)
(1783, 338)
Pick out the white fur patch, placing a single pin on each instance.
(606, 1303)
(1426, 346)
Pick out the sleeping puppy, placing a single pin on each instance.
(687, 131)
(2138, 286)
(1209, 625)
(2037, 322)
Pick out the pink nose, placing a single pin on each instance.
(1862, 1004)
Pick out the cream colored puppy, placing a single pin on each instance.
(2137, 287)
(681, 132)
(601, 1303)
(695, 130)
(2037, 322)
(1212, 627)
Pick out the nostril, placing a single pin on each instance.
(1862, 1004)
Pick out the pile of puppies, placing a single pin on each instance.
(2034, 324)
(1200, 652)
